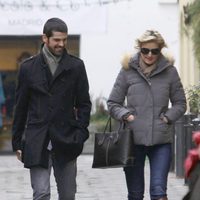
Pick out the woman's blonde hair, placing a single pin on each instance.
(151, 36)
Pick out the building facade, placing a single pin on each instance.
(189, 69)
(100, 32)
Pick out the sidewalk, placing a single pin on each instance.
(93, 184)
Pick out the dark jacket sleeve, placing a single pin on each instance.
(20, 110)
(82, 101)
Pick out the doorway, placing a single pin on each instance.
(13, 50)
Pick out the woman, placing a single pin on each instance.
(148, 81)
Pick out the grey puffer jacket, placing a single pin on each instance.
(148, 100)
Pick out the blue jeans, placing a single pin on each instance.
(160, 159)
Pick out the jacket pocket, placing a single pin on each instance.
(35, 123)
(162, 126)
(80, 134)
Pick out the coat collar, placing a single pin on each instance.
(131, 61)
(65, 64)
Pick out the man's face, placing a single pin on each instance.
(56, 43)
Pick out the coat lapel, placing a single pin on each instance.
(64, 65)
(46, 74)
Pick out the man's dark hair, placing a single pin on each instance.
(54, 24)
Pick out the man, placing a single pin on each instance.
(52, 112)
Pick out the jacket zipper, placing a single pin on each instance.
(152, 111)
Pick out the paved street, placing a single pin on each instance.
(93, 184)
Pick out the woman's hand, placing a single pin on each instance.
(130, 118)
(165, 120)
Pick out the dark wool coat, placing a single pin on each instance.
(51, 108)
(148, 100)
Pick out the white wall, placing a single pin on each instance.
(107, 31)
(125, 22)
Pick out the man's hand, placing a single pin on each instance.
(19, 155)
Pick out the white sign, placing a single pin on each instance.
(25, 17)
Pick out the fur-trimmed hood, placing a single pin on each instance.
(129, 58)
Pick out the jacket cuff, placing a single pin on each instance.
(125, 116)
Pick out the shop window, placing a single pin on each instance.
(13, 50)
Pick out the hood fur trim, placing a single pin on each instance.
(125, 60)
(169, 57)
(128, 57)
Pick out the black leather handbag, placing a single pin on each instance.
(113, 149)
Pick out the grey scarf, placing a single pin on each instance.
(146, 69)
(52, 60)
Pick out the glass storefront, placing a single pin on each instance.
(13, 50)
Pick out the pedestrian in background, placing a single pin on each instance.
(2, 101)
(148, 81)
(192, 169)
(52, 112)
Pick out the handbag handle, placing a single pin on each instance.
(121, 127)
(108, 123)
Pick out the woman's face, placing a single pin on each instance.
(150, 52)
